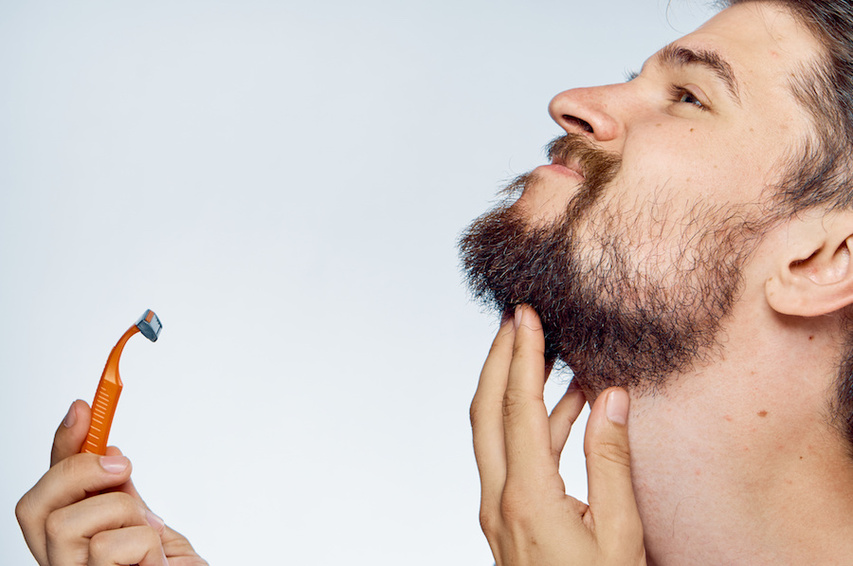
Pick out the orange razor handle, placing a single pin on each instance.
(103, 410)
(110, 385)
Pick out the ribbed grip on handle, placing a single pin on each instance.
(103, 410)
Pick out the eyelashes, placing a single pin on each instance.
(680, 94)
(677, 93)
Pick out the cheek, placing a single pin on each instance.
(691, 167)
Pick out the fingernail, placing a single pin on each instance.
(156, 522)
(616, 406)
(114, 464)
(71, 416)
(519, 315)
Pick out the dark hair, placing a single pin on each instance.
(821, 175)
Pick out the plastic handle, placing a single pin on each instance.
(106, 399)
(103, 411)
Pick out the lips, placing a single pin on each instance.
(572, 165)
(569, 168)
(576, 156)
(571, 152)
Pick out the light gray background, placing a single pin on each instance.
(283, 183)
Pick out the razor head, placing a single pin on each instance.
(149, 325)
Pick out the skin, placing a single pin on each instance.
(64, 524)
(738, 460)
(525, 512)
(737, 463)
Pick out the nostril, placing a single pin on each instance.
(582, 124)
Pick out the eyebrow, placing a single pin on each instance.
(679, 56)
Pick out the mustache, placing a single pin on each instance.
(576, 148)
(597, 165)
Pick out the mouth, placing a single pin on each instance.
(572, 165)
(578, 156)
(571, 168)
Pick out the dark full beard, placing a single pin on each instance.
(612, 320)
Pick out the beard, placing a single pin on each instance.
(625, 298)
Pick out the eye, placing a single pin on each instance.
(631, 75)
(684, 96)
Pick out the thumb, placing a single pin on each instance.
(608, 462)
(72, 432)
(127, 487)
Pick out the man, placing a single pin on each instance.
(688, 247)
(688, 252)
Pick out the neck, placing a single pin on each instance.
(737, 463)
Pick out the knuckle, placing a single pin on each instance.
(515, 402)
(525, 346)
(123, 505)
(489, 524)
(24, 509)
(56, 525)
(520, 349)
(612, 452)
(102, 545)
(131, 507)
(515, 507)
(150, 537)
(75, 466)
(99, 546)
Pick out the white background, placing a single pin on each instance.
(283, 183)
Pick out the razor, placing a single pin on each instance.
(110, 385)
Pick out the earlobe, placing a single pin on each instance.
(814, 275)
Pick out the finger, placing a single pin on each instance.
(69, 529)
(133, 545)
(608, 459)
(67, 482)
(175, 544)
(71, 433)
(487, 416)
(127, 487)
(526, 427)
(563, 416)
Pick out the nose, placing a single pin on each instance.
(588, 111)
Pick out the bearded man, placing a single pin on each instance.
(687, 254)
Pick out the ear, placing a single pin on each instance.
(813, 269)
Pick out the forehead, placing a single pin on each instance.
(764, 43)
